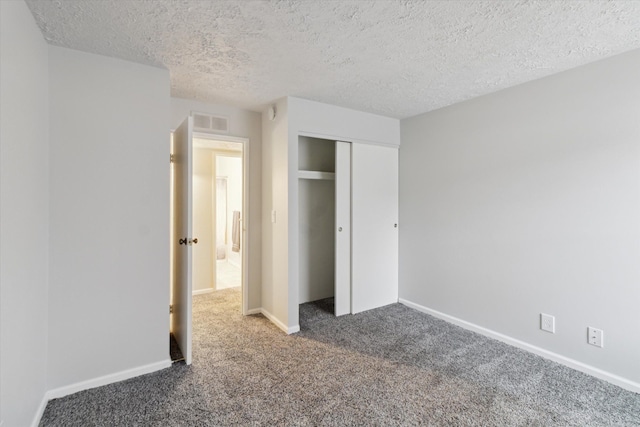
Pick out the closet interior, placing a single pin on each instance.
(321, 255)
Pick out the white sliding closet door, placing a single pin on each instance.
(342, 295)
(374, 180)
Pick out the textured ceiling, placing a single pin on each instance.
(395, 58)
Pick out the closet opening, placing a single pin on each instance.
(324, 221)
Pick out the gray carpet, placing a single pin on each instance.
(389, 366)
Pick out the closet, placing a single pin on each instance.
(330, 209)
(324, 220)
(347, 224)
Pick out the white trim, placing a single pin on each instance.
(202, 291)
(107, 379)
(287, 330)
(337, 138)
(293, 329)
(39, 413)
(219, 137)
(302, 174)
(244, 222)
(563, 360)
(253, 311)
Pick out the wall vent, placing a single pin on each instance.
(208, 123)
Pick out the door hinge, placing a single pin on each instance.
(170, 308)
(172, 158)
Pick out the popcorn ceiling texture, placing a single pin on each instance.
(395, 58)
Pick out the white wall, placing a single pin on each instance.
(296, 116)
(109, 183)
(204, 251)
(274, 199)
(332, 122)
(246, 124)
(231, 168)
(24, 214)
(527, 201)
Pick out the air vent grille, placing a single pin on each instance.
(209, 123)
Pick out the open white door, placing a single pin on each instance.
(343, 229)
(182, 229)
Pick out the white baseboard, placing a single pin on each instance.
(293, 329)
(571, 363)
(96, 382)
(202, 291)
(107, 379)
(279, 324)
(40, 412)
(253, 311)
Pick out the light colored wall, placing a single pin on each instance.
(274, 198)
(231, 168)
(527, 201)
(280, 193)
(24, 215)
(109, 183)
(204, 251)
(246, 124)
(332, 122)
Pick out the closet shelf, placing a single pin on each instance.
(316, 175)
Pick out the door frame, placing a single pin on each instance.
(246, 207)
(213, 137)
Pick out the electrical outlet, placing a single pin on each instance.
(595, 336)
(548, 323)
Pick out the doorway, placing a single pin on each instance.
(217, 215)
(192, 256)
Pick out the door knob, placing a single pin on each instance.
(395, 225)
(194, 241)
(183, 241)
(339, 228)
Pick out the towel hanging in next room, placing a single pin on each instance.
(235, 233)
